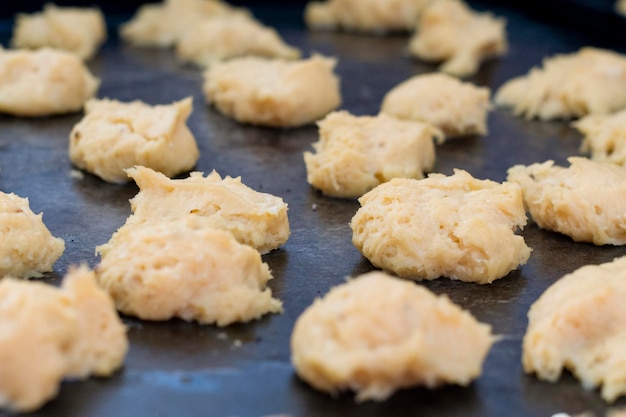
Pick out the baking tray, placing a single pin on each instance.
(182, 369)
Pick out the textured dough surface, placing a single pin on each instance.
(577, 324)
(43, 82)
(256, 219)
(465, 228)
(377, 16)
(273, 92)
(80, 30)
(27, 248)
(355, 154)
(185, 268)
(457, 108)
(376, 334)
(48, 334)
(585, 201)
(114, 136)
(604, 136)
(229, 37)
(590, 81)
(450, 31)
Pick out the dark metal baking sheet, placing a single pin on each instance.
(184, 369)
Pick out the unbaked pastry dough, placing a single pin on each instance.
(376, 334)
(364, 15)
(275, 92)
(114, 136)
(48, 334)
(457, 108)
(453, 226)
(80, 30)
(585, 201)
(450, 31)
(604, 136)
(577, 324)
(43, 82)
(228, 37)
(27, 248)
(186, 268)
(355, 154)
(590, 81)
(254, 218)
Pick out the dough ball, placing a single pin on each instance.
(255, 219)
(457, 108)
(223, 38)
(43, 82)
(114, 136)
(604, 137)
(48, 334)
(577, 324)
(590, 81)
(376, 16)
(273, 92)
(185, 268)
(27, 248)
(450, 31)
(79, 30)
(586, 201)
(376, 334)
(162, 24)
(464, 228)
(355, 154)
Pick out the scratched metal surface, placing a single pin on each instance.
(183, 369)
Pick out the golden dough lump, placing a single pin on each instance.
(450, 31)
(255, 219)
(457, 108)
(27, 248)
(80, 30)
(378, 16)
(376, 334)
(355, 154)
(464, 228)
(275, 92)
(48, 334)
(577, 324)
(229, 37)
(114, 136)
(585, 201)
(590, 81)
(604, 136)
(185, 268)
(43, 82)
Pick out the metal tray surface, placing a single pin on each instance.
(181, 369)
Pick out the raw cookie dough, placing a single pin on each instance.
(590, 81)
(114, 136)
(48, 334)
(376, 334)
(220, 39)
(457, 108)
(186, 268)
(43, 82)
(586, 201)
(162, 24)
(254, 218)
(605, 137)
(376, 16)
(578, 324)
(450, 31)
(355, 154)
(27, 248)
(273, 92)
(457, 226)
(79, 30)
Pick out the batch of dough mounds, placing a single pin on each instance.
(191, 249)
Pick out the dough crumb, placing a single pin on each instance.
(604, 137)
